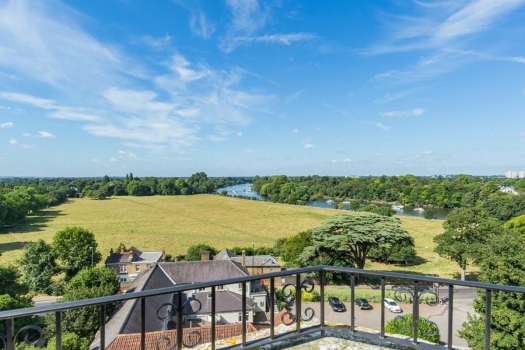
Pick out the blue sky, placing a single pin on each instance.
(241, 87)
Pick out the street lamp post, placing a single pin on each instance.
(253, 257)
(91, 256)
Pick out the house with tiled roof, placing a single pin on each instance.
(197, 311)
(255, 264)
(128, 263)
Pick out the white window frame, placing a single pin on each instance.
(123, 268)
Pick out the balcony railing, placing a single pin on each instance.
(299, 319)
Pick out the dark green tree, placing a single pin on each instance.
(465, 230)
(349, 238)
(10, 282)
(294, 245)
(194, 252)
(39, 266)
(75, 248)
(87, 284)
(503, 263)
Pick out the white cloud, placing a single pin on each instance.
(6, 125)
(379, 125)
(46, 43)
(338, 110)
(334, 161)
(13, 141)
(410, 113)
(248, 16)
(47, 135)
(347, 160)
(248, 151)
(200, 26)
(287, 39)
(428, 152)
(124, 154)
(156, 43)
(308, 146)
(26, 134)
(389, 97)
(294, 96)
(95, 160)
(113, 159)
(295, 131)
(239, 134)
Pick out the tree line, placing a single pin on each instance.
(446, 192)
(20, 197)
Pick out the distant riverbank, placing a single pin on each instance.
(245, 190)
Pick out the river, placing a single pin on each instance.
(246, 191)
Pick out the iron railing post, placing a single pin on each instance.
(213, 296)
(103, 326)
(382, 307)
(243, 314)
(298, 302)
(10, 333)
(415, 311)
(179, 320)
(143, 323)
(272, 307)
(450, 315)
(352, 302)
(58, 327)
(488, 309)
(322, 319)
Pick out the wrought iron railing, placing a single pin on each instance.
(301, 321)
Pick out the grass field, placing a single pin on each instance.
(174, 223)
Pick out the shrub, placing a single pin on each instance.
(403, 325)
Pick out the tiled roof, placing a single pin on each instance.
(183, 272)
(258, 261)
(137, 257)
(132, 341)
(148, 257)
(224, 254)
(224, 302)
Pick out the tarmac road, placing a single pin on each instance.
(463, 298)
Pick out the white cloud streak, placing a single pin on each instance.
(6, 125)
(200, 26)
(403, 114)
(46, 135)
(308, 146)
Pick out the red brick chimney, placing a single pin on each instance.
(205, 255)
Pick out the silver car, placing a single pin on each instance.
(391, 305)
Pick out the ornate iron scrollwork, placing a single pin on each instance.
(423, 296)
(288, 317)
(27, 329)
(194, 337)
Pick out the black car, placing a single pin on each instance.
(336, 304)
(363, 304)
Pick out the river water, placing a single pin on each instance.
(246, 191)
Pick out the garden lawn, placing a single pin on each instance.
(174, 223)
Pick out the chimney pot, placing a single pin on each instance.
(205, 255)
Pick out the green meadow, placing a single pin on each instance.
(174, 223)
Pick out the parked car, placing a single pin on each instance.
(363, 304)
(391, 305)
(336, 304)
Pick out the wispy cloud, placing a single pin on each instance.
(200, 26)
(308, 146)
(378, 125)
(248, 16)
(403, 114)
(287, 39)
(440, 24)
(124, 154)
(335, 109)
(46, 135)
(13, 141)
(6, 125)
(347, 160)
(389, 97)
(294, 96)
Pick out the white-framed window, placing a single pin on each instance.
(137, 268)
(272, 269)
(123, 268)
(123, 280)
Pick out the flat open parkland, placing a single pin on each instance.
(174, 223)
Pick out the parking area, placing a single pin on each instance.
(372, 318)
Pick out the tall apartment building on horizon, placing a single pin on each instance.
(511, 174)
